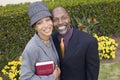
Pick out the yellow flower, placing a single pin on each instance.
(12, 69)
(3, 71)
(80, 25)
(113, 56)
(106, 46)
(20, 58)
(1, 78)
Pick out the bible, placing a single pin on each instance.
(44, 68)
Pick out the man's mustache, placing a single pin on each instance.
(62, 25)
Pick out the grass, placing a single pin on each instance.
(109, 71)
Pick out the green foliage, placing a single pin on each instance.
(85, 24)
(14, 32)
(105, 15)
(105, 11)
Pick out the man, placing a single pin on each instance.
(80, 59)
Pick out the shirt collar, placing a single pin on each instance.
(67, 36)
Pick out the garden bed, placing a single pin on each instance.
(117, 59)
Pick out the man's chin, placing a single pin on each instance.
(63, 32)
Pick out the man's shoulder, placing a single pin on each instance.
(55, 37)
(54, 34)
(81, 34)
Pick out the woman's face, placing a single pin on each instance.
(44, 27)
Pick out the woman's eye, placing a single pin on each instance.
(48, 19)
(38, 23)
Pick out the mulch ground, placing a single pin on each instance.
(117, 59)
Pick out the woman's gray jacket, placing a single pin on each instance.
(37, 51)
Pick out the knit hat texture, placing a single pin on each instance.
(37, 11)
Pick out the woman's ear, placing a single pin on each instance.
(35, 28)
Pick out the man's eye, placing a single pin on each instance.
(55, 20)
(64, 18)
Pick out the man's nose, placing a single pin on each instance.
(60, 21)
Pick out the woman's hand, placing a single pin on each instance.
(56, 72)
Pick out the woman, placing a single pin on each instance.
(40, 48)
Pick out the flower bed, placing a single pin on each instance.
(106, 46)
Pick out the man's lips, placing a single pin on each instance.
(61, 27)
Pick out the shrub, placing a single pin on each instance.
(85, 24)
(104, 12)
(14, 32)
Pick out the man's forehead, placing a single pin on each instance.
(59, 11)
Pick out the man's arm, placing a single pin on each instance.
(92, 61)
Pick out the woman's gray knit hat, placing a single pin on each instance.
(37, 11)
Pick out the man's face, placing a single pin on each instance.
(61, 20)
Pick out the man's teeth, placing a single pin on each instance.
(61, 27)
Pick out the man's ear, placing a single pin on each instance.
(69, 19)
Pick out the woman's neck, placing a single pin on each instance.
(46, 42)
(45, 39)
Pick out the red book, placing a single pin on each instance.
(44, 68)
